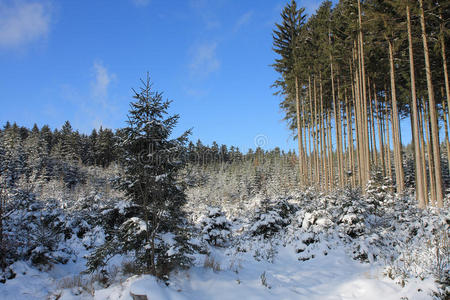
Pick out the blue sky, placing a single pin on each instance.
(78, 60)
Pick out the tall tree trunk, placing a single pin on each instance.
(355, 153)
(299, 133)
(310, 177)
(316, 144)
(379, 129)
(338, 124)
(372, 126)
(330, 152)
(359, 124)
(350, 138)
(399, 176)
(322, 135)
(388, 142)
(447, 143)
(364, 100)
(304, 142)
(431, 169)
(415, 128)
(336, 119)
(422, 154)
(433, 113)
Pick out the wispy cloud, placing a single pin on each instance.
(141, 3)
(196, 93)
(243, 20)
(204, 60)
(91, 105)
(204, 8)
(22, 22)
(101, 81)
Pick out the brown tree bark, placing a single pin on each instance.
(322, 141)
(379, 129)
(422, 154)
(388, 142)
(299, 134)
(399, 175)
(372, 128)
(433, 113)
(415, 128)
(431, 169)
(363, 92)
(447, 143)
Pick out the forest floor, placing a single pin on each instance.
(334, 276)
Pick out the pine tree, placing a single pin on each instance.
(286, 41)
(151, 162)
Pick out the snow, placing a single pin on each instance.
(303, 246)
(140, 225)
(331, 277)
(334, 276)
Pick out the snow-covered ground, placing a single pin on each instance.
(303, 246)
(333, 276)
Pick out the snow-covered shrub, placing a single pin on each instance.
(35, 230)
(216, 229)
(423, 248)
(379, 192)
(270, 217)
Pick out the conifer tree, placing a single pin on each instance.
(287, 43)
(151, 161)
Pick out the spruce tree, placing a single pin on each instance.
(151, 160)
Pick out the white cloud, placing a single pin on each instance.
(22, 22)
(100, 84)
(92, 106)
(196, 93)
(207, 10)
(204, 59)
(141, 3)
(243, 20)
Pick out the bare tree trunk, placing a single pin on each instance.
(299, 134)
(388, 142)
(338, 124)
(415, 128)
(322, 142)
(431, 169)
(330, 152)
(359, 124)
(316, 144)
(364, 101)
(355, 155)
(422, 154)
(372, 125)
(395, 125)
(309, 130)
(447, 143)
(433, 114)
(380, 135)
(305, 151)
(349, 137)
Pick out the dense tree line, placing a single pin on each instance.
(40, 153)
(349, 74)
